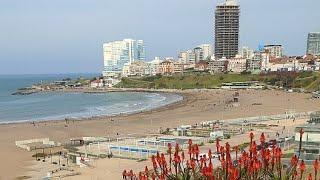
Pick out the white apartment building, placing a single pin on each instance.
(136, 68)
(153, 66)
(275, 50)
(218, 66)
(246, 52)
(118, 53)
(199, 53)
(237, 65)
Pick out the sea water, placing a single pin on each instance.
(61, 105)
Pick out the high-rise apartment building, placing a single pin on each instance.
(193, 56)
(118, 53)
(246, 52)
(313, 45)
(227, 29)
(275, 50)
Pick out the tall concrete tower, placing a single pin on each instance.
(313, 46)
(227, 29)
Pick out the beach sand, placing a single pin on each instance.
(198, 106)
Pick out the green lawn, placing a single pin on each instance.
(308, 80)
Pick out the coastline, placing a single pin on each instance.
(196, 106)
(103, 91)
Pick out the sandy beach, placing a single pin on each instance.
(198, 106)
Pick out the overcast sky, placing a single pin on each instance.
(61, 36)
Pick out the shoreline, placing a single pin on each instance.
(145, 111)
(185, 94)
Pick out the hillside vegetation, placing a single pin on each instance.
(307, 80)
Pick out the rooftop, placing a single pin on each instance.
(229, 3)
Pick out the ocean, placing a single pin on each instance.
(61, 105)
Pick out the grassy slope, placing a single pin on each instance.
(308, 80)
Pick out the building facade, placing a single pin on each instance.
(201, 66)
(192, 56)
(218, 66)
(246, 52)
(136, 68)
(166, 67)
(275, 50)
(313, 44)
(118, 53)
(187, 57)
(206, 51)
(227, 29)
(254, 63)
(237, 65)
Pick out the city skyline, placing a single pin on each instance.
(61, 37)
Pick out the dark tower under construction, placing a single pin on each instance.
(227, 29)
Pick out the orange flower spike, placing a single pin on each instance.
(315, 167)
(294, 160)
(316, 164)
(302, 166)
(177, 148)
(153, 176)
(262, 138)
(251, 135)
(162, 177)
(210, 154)
(169, 148)
(227, 147)
(218, 145)
(222, 150)
(210, 165)
(154, 163)
(193, 164)
(310, 176)
(182, 156)
(146, 170)
(188, 164)
(301, 132)
(163, 160)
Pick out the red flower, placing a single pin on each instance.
(301, 132)
(218, 145)
(316, 164)
(177, 148)
(182, 155)
(251, 136)
(154, 163)
(210, 154)
(294, 160)
(262, 139)
(169, 148)
(193, 164)
(302, 167)
(177, 159)
(146, 170)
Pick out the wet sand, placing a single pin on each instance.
(198, 106)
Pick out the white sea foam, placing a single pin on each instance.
(146, 101)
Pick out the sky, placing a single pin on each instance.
(66, 36)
